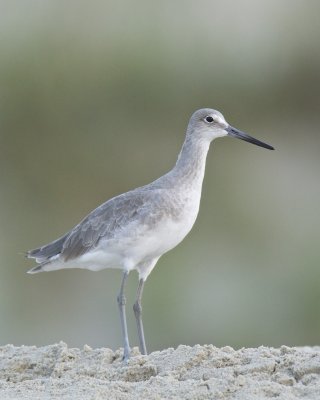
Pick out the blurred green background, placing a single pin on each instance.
(94, 101)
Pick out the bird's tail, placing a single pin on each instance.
(46, 254)
(38, 268)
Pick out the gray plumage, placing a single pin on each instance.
(133, 230)
(145, 205)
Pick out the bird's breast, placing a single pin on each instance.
(177, 220)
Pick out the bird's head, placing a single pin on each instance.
(209, 124)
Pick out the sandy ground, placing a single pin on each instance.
(199, 372)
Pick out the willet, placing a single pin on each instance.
(133, 230)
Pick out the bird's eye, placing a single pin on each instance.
(209, 119)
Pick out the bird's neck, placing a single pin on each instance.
(190, 166)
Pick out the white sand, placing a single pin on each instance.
(199, 372)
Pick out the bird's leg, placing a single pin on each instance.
(137, 308)
(122, 307)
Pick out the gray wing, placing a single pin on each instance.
(105, 221)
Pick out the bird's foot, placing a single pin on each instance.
(126, 355)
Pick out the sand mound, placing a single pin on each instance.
(199, 372)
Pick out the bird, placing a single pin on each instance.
(133, 230)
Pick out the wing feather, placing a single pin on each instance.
(105, 221)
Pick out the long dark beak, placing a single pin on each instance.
(243, 136)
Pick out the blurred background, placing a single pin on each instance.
(94, 101)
